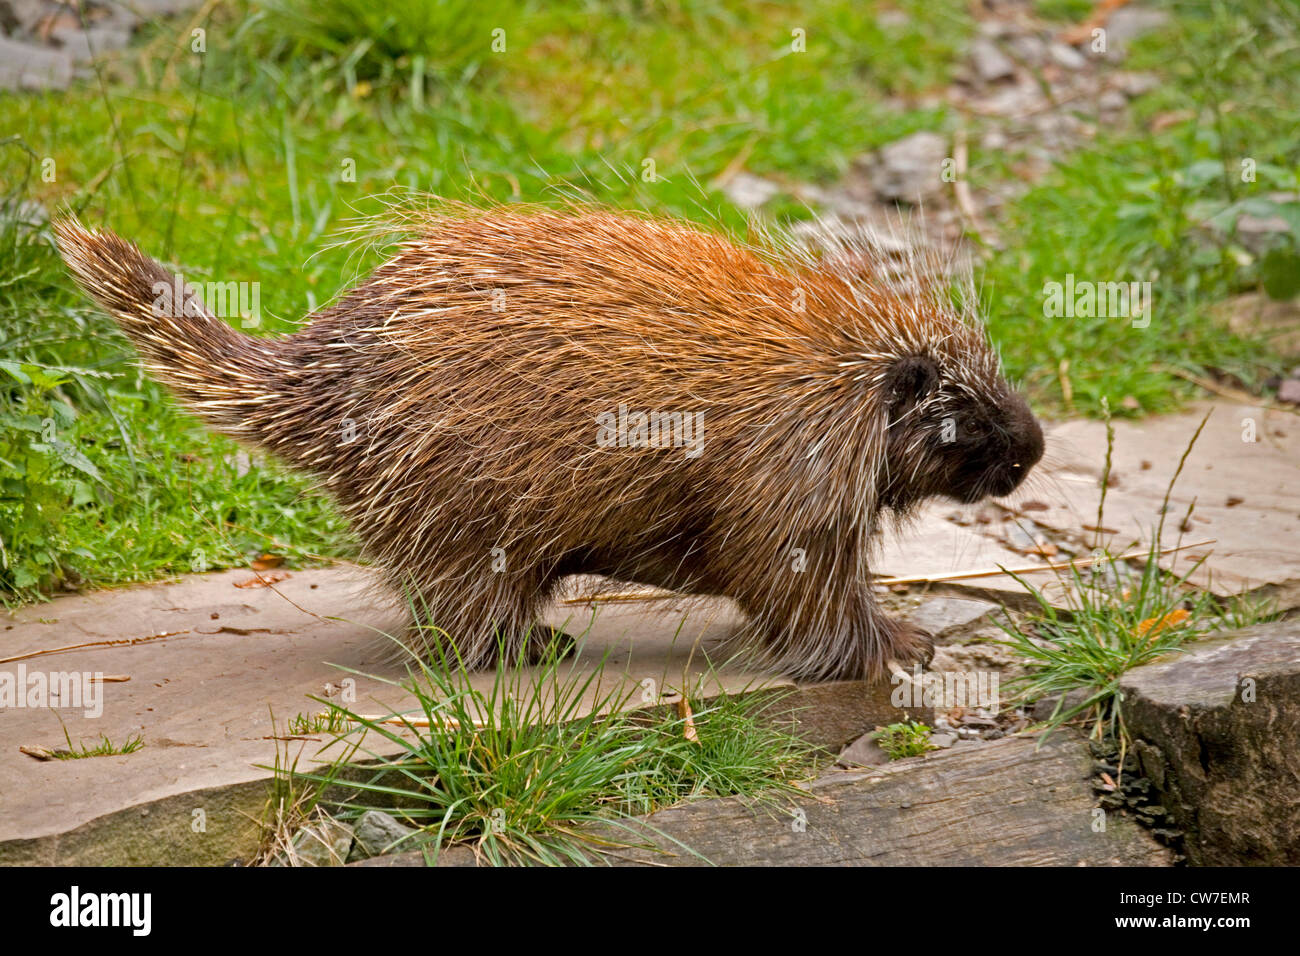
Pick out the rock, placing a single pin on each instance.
(1217, 731)
(863, 752)
(1133, 85)
(1066, 56)
(977, 654)
(1112, 101)
(1057, 130)
(322, 843)
(84, 45)
(832, 716)
(1255, 315)
(120, 16)
(909, 170)
(749, 192)
(376, 832)
(1250, 226)
(943, 741)
(1127, 24)
(893, 19)
(990, 63)
(1019, 538)
(940, 616)
(23, 16)
(157, 8)
(1045, 706)
(1289, 391)
(1255, 550)
(1021, 99)
(1029, 48)
(1009, 803)
(994, 139)
(26, 67)
(998, 28)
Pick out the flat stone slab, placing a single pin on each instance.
(932, 545)
(1217, 730)
(1001, 803)
(1245, 492)
(203, 695)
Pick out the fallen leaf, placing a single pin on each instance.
(1165, 120)
(267, 561)
(1164, 622)
(684, 712)
(263, 580)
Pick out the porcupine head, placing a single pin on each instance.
(502, 366)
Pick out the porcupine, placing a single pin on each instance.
(480, 409)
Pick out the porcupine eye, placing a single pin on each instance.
(911, 380)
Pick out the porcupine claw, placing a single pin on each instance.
(919, 642)
(899, 671)
(925, 642)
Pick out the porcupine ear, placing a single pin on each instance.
(910, 380)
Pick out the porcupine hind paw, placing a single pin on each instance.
(545, 641)
(906, 644)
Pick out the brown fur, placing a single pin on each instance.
(474, 367)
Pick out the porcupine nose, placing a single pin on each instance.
(1024, 447)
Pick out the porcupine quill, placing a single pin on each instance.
(518, 395)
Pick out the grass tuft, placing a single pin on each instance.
(545, 765)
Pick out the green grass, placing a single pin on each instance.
(545, 764)
(237, 164)
(103, 480)
(101, 748)
(908, 739)
(1141, 205)
(321, 722)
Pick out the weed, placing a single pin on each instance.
(907, 739)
